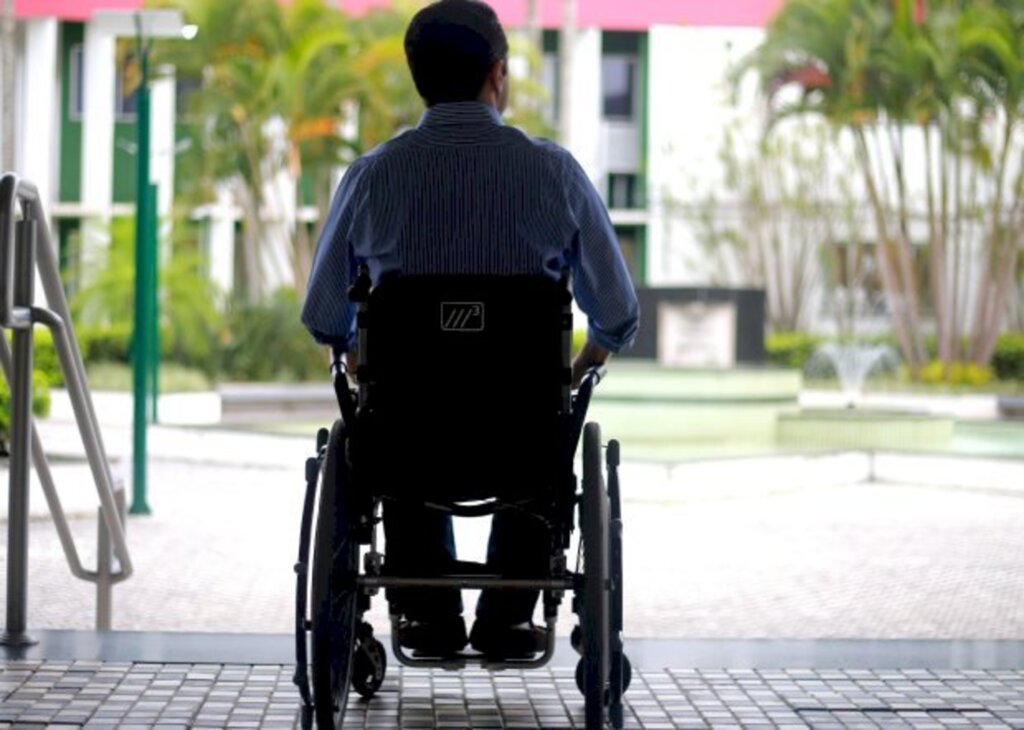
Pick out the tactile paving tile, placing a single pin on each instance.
(51, 694)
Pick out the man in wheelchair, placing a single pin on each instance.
(469, 224)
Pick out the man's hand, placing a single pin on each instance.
(592, 354)
(349, 358)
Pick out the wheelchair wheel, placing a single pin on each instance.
(334, 594)
(595, 622)
(369, 663)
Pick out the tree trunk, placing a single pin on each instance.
(937, 234)
(992, 300)
(901, 324)
(905, 249)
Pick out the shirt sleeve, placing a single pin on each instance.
(601, 281)
(327, 313)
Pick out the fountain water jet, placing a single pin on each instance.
(852, 364)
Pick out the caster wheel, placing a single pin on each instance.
(368, 668)
(627, 673)
(576, 639)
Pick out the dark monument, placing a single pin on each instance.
(700, 327)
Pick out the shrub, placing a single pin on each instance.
(112, 343)
(44, 355)
(1008, 360)
(956, 374)
(189, 321)
(267, 342)
(40, 402)
(791, 349)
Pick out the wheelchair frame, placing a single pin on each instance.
(603, 672)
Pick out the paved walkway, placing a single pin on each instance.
(107, 695)
(740, 550)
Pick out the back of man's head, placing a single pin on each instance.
(450, 46)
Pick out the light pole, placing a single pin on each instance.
(144, 26)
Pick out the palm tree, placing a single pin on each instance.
(940, 78)
(232, 109)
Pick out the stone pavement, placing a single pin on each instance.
(731, 550)
(38, 694)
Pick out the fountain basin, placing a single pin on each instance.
(835, 428)
(652, 404)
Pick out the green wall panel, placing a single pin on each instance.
(70, 129)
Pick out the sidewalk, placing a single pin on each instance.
(802, 547)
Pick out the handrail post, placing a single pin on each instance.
(104, 564)
(21, 429)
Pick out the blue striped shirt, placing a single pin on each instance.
(463, 193)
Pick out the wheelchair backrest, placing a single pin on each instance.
(465, 380)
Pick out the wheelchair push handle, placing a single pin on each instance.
(339, 376)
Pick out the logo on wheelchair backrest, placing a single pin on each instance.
(462, 316)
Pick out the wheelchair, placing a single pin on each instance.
(443, 418)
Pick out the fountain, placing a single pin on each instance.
(852, 364)
(855, 426)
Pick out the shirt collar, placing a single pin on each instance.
(460, 113)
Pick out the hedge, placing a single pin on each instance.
(791, 349)
(794, 349)
(1008, 361)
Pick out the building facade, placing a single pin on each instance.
(647, 107)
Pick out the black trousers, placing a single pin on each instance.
(421, 542)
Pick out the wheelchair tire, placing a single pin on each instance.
(627, 673)
(334, 594)
(595, 618)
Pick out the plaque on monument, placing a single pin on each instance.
(697, 334)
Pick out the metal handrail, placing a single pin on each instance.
(21, 242)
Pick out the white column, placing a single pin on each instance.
(161, 135)
(97, 145)
(98, 120)
(585, 126)
(221, 240)
(161, 166)
(37, 143)
(279, 213)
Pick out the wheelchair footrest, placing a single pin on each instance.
(468, 581)
(464, 658)
(464, 574)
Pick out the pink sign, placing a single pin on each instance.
(80, 10)
(605, 14)
(628, 14)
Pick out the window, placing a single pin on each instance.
(549, 75)
(549, 78)
(618, 86)
(622, 191)
(126, 88)
(631, 244)
(76, 77)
